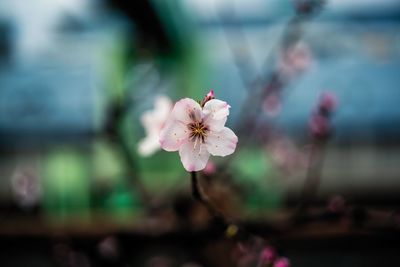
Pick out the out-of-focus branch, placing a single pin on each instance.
(114, 131)
(200, 196)
(269, 80)
(232, 229)
(313, 175)
(320, 130)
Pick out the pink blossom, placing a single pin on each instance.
(286, 155)
(320, 121)
(282, 262)
(328, 101)
(196, 132)
(320, 126)
(210, 94)
(272, 105)
(153, 121)
(25, 185)
(268, 255)
(295, 59)
(210, 168)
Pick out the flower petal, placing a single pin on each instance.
(221, 143)
(172, 135)
(162, 108)
(186, 110)
(194, 158)
(148, 145)
(215, 113)
(215, 125)
(217, 109)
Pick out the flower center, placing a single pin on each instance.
(198, 131)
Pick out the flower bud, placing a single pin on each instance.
(282, 262)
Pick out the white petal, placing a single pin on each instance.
(217, 109)
(147, 146)
(194, 158)
(215, 125)
(172, 135)
(221, 143)
(162, 108)
(150, 123)
(215, 113)
(153, 120)
(186, 110)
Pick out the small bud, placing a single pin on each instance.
(210, 168)
(268, 255)
(328, 102)
(207, 98)
(320, 126)
(272, 105)
(282, 262)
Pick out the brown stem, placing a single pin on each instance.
(195, 187)
(200, 196)
(233, 229)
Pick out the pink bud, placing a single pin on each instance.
(328, 101)
(295, 59)
(272, 105)
(282, 262)
(268, 255)
(210, 168)
(207, 98)
(319, 125)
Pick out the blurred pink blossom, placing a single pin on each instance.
(328, 101)
(153, 121)
(26, 187)
(295, 59)
(210, 168)
(267, 256)
(320, 120)
(286, 156)
(320, 126)
(282, 262)
(109, 248)
(196, 132)
(272, 105)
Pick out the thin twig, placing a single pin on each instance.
(313, 176)
(199, 195)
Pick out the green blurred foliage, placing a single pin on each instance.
(66, 183)
(256, 173)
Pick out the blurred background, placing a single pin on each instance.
(313, 87)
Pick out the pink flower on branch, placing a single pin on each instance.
(198, 131)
